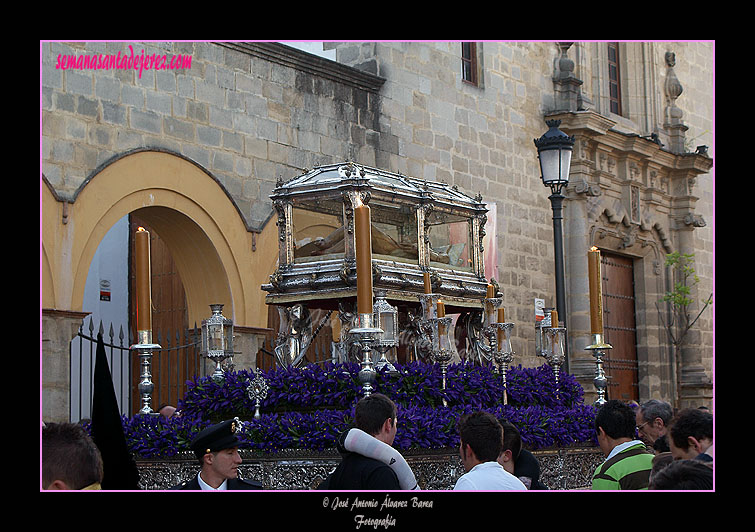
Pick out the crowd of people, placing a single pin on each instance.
(646, 447)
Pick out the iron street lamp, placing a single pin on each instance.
(554, 150)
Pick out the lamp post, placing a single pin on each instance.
(554, 150)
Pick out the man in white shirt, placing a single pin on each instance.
(481, 442)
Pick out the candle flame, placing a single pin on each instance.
(593, 248)
(140, 229)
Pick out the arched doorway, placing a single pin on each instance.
(219, 258)
(178, 360)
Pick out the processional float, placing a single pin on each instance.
(395, 256)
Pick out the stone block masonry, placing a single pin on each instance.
(246, 114)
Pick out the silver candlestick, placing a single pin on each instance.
(489, 346)
(441, 351)
(504, 353)
(144, 349)
(600, 381)
(539, 327)
(364, 336)
(553, 348)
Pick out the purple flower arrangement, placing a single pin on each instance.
(307, 408)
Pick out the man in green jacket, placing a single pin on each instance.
(628, 461)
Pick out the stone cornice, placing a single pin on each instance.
(306, 62)
(599, 129)
(58, 313)
(586, 122)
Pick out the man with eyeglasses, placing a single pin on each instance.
(652, 420)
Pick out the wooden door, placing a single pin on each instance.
(173, 365)
(619, 326)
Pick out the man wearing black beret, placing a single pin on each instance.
(217, 450)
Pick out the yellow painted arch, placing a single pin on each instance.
(192, 213)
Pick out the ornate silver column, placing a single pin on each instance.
(600, 381)
(442, 351)
(144, 349)
(504, 353)
(364, 336)
(554, 351)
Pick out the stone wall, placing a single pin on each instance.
(480, 139)
(243, 113)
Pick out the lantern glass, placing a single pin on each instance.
(554, 343)
(429, 305)
(386, 323)
(215, 337)
(217, 332)
(445, 340)
(554, 165)
(491, 311)
(554, 150)
(504, 337)
(385, 318)
(441, 340)
(490, 315)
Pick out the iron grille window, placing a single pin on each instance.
(469, 62)
(614, 78)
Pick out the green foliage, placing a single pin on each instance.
(680, 321)
(682, 265)
(685, 279)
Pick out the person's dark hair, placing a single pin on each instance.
(691, 422)
(483, 433)
(371, 412)
(655, 408)
(660, 461)
(683, 475)
(70, 455)
(617, 419)
(512, 440)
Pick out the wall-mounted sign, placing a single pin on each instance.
(104, 290)
(539, 312)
